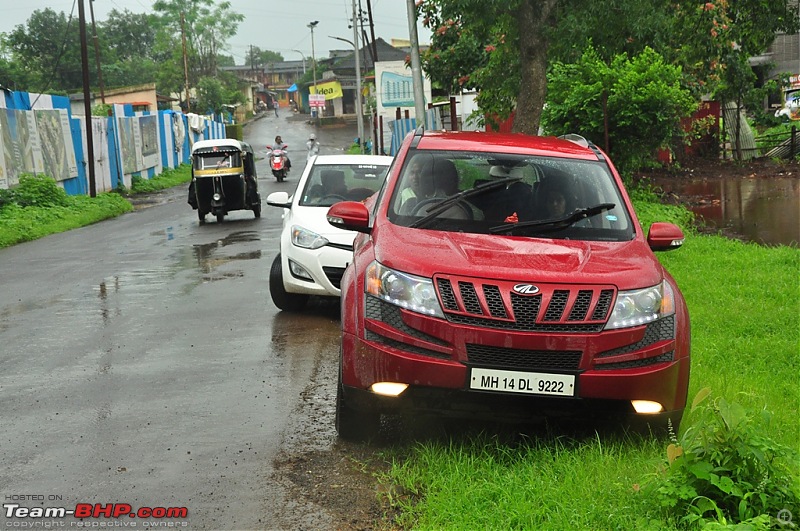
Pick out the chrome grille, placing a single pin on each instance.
(554, 308)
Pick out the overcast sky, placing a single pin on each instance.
(278, 25)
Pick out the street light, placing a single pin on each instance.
(304, 59)
(359, 111)
(313, 25)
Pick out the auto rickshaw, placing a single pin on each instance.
(223, 178)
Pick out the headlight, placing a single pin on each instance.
(401, 289)
(307, 239)
(642, 306)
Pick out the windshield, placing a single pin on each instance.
(329, 184)
(510, 194)
(212, 160)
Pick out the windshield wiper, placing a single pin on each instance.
(449, 201)
(549, 225)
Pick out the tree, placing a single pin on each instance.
(46, 51)
(258, 58)
(503, 49)
(129, 36)
(635, 102)
(213, 95)
(208, 26)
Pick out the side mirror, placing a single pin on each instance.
(350, 215)
(279, 199)
(664, 236)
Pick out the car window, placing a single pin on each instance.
(217, 159)
(502, 189)
(331, 183)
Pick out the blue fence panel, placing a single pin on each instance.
(171, 150)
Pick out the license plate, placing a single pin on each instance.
(529, 383)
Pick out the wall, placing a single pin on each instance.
(40, 136)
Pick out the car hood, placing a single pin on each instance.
(627, 265)
(315, 219)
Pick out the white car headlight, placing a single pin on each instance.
(307, 239)
(642, 306)
(401, 289)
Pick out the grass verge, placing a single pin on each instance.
(744, 302)
(39, 207)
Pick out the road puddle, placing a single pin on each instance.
(765, 211)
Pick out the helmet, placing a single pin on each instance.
(312, 136)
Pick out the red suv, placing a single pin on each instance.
(505, 275)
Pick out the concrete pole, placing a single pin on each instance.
(359, 110)
(416, 69)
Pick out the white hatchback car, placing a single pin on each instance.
(314, 254)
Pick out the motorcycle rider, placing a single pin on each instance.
(312, 145)
(281, 146)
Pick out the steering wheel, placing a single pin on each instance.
(456, 211)
(332, 198)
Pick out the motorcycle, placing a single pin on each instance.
(277, 163)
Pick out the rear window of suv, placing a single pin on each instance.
(509, 194)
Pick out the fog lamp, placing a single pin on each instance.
(388, 388)
(299, 271)
(647, 407)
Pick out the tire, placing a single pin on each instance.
(201, 216)
(220, 217)
(351, 424)
(290, 302)
(257, 211)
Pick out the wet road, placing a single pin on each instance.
(144, 363)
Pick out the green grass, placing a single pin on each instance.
(744, 302)
(41, 208)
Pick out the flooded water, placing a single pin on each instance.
(765, 211)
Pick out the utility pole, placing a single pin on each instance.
(313, 25)
(87, 102)
(416, 70)
(185, 61)
(359, 111)
(372, 32)
(97, 54)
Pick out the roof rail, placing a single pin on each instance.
(419, 132)
(583, 142)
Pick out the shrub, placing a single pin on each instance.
(644, 103)
(38, 191)
(725, 469)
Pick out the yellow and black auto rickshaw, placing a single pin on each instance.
(223, 178)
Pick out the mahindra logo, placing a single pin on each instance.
(525, 289)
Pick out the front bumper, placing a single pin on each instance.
(325, 266)
(430, 355)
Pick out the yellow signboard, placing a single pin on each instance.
(331, 90)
